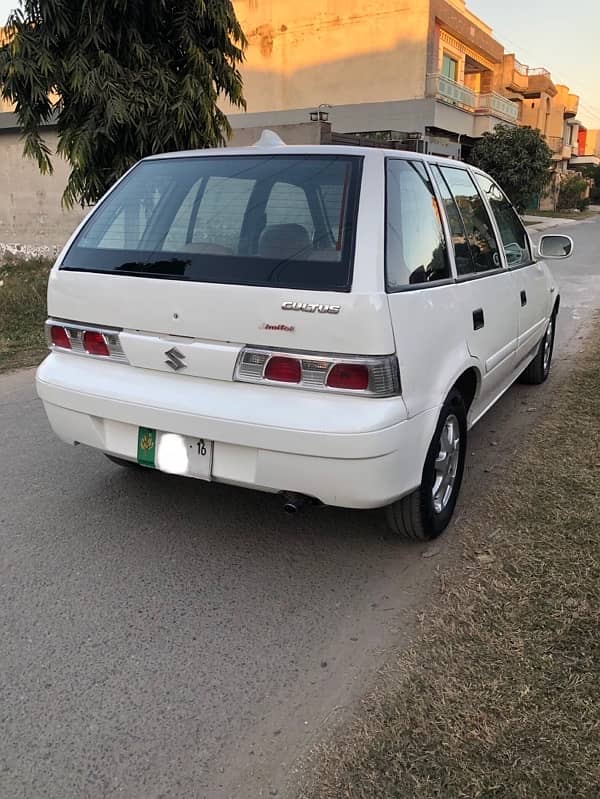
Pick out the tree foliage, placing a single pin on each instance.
(518, 159)
(571, 192)
(593, 172)
(123, 79)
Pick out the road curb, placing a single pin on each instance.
(552, 222)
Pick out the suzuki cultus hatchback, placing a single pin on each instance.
(323, 322)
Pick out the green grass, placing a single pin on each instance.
(500, 696)
(22, 311)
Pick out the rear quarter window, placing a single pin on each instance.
(416, 252)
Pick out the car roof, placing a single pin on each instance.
(310, 149)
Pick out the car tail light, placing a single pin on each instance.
(86, 340)
(59, 337)
(94, 343)
(351, 376)
(366, 376)
(283, 369)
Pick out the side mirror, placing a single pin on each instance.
(553, 246)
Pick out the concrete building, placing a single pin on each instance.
(588, 150)
(550, 108)
(429, 74)
(32, 219)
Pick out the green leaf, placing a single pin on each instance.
(518, 159)
(134, 77)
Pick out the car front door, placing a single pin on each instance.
(532, 288)
(485, 289)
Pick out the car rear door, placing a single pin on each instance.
(488, 313)
(532, 289)
(420, 286)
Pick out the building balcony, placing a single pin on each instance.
(516, 78)
(561, 151)
(497, 105)
(567, 152)
(571, 106)
(450, 91)
(555, 143)
(540, 80)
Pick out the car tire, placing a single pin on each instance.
(425, 514)
(538, 370)
(122, 462)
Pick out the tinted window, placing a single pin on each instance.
(211, 216)
(415, 243)
(287, 201)
(512, 232)
(256, 220)
(462, 250)
(476, 221)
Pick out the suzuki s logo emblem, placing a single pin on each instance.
(175, 359)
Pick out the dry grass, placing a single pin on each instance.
(500, 696)
(22, 312)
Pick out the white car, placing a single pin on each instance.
(321, 322)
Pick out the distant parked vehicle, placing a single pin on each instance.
(322, 322)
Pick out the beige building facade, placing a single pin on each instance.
(588, 151)
(429, 71)
(428, 76)
(32, 220)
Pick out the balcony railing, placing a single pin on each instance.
(572, 105)
(555, 143)
(567, 151)
(538, 71)
(447, 89)
(522, 69)
(453, 92)
(498, 105)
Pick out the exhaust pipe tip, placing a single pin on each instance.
(293, 503)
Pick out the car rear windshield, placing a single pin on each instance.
(263, 220)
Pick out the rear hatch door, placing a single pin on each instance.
(206, 254)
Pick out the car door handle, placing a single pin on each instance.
(478, 319)
(523, 298)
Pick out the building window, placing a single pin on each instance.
(450, 67)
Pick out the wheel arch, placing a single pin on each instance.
(468, 384)
(467, 380)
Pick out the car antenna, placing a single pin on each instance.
(269, 138)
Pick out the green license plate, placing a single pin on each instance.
(146, 450)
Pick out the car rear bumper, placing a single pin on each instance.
(345, 451)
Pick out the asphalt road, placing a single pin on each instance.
(167, 638)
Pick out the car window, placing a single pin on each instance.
(512, 232)
(210, 217)
(415, 242)
(254, 220)
(477, 224)
(289, 202)
(124, 226)
(333, 205)
(462, 251)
